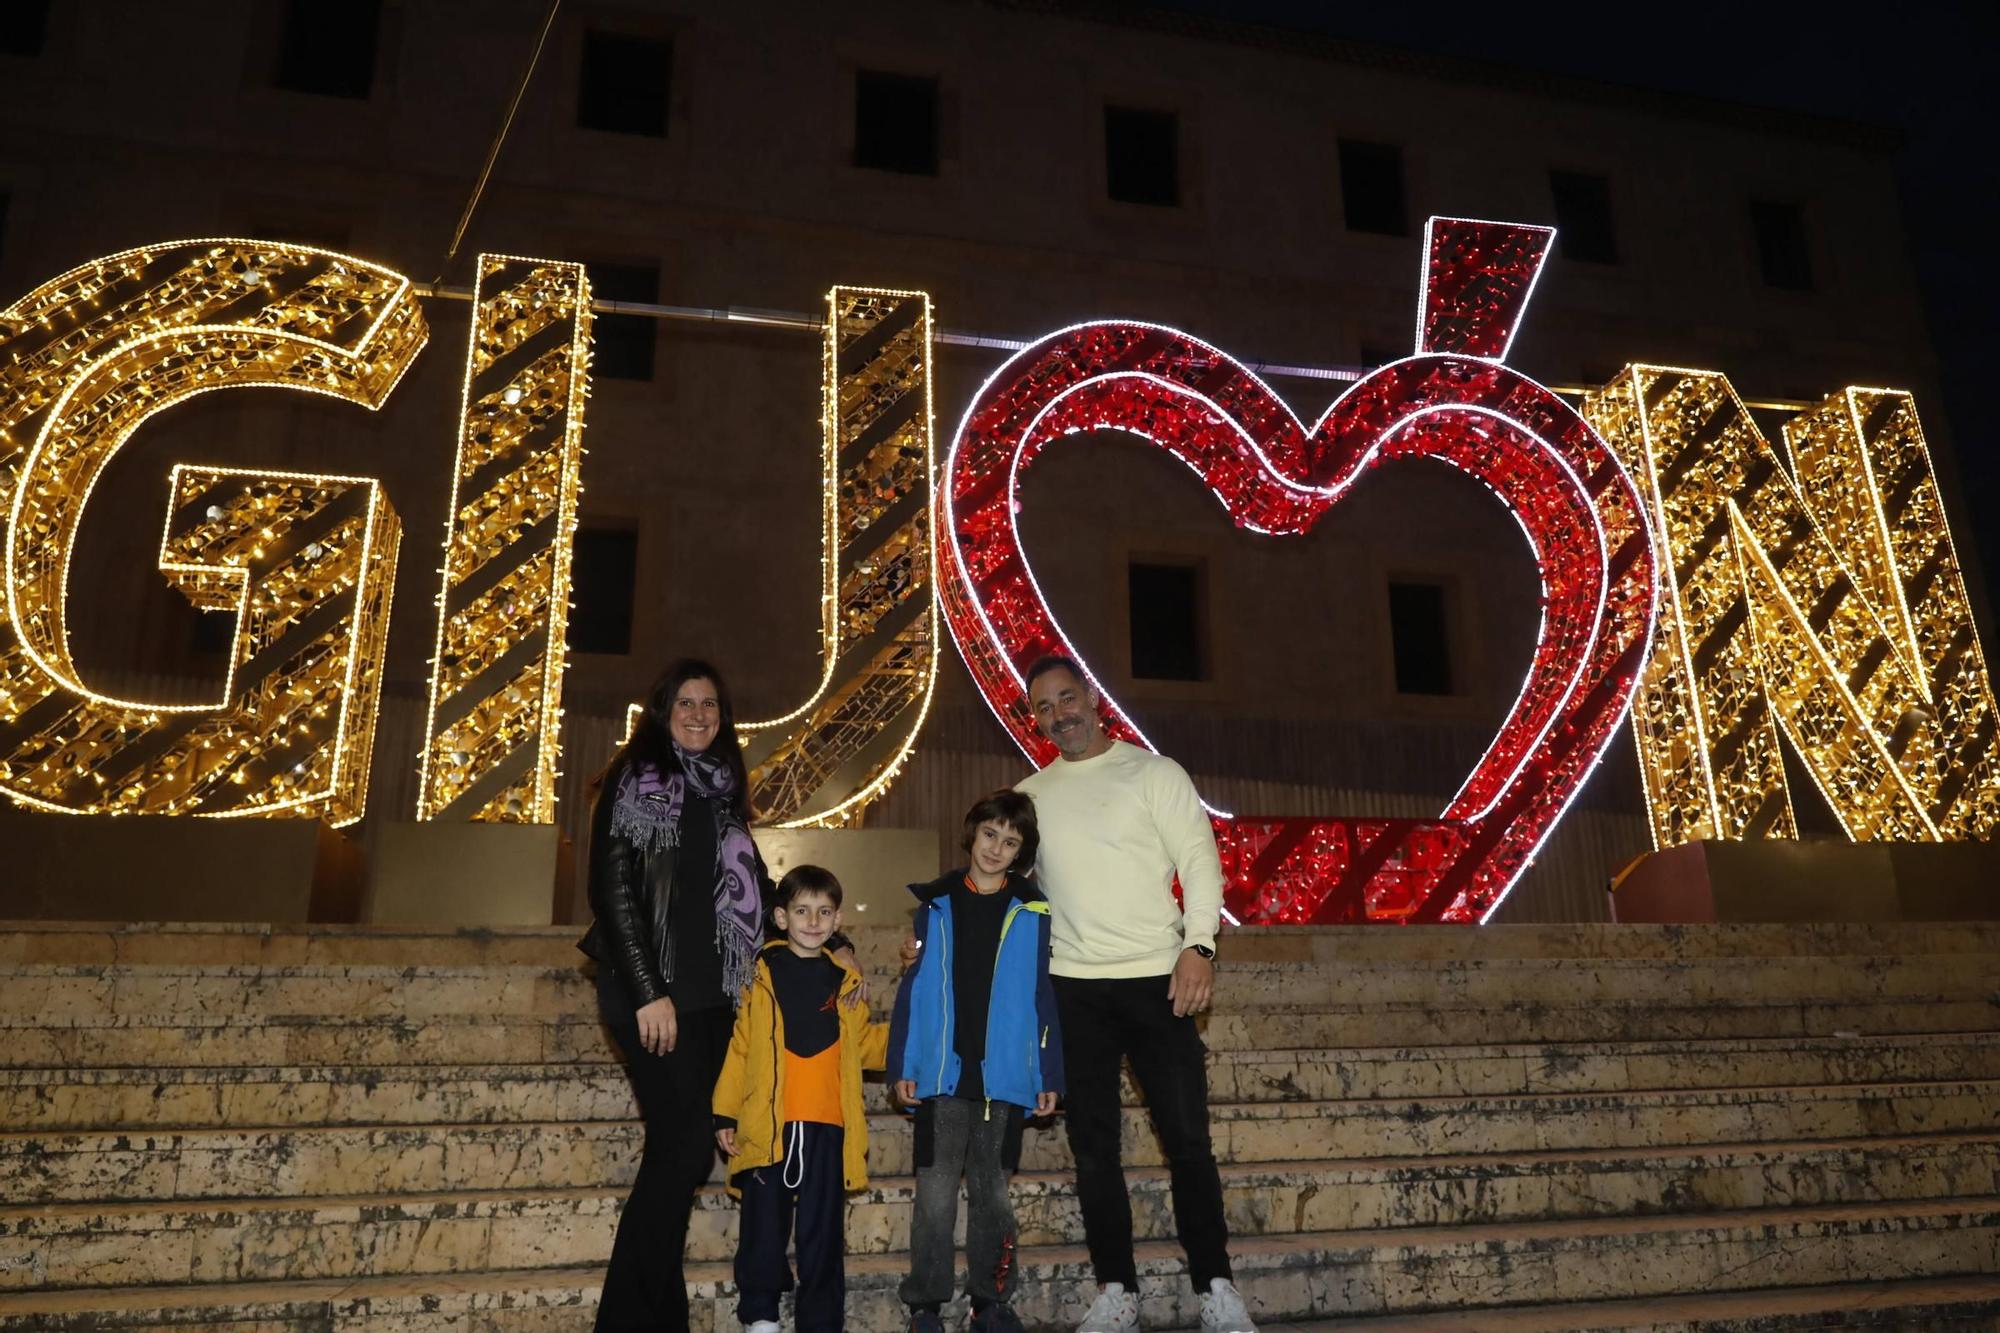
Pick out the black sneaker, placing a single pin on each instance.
(996, 1319)
(925, 1321)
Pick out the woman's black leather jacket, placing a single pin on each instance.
(632, 898)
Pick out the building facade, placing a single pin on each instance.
(1030, 165)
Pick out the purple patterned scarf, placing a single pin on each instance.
(648, 812)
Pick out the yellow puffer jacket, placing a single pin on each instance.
(751, 1090)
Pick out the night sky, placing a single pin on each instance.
(1921, 69)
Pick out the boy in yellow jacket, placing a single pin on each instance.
(788, 1111)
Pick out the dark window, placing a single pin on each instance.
(1421, 638)
(1371, 187)
(625, 84)
(1781, 244)
(602, 576)
(24, 26)
(896, 123)
(1583, 217)
(329, 48)
(621, 346)
(1166, 621)
(1142, 156)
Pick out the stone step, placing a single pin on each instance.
(167, 1039)
(259, 1240)
(94, 993)
(1932, 1305)
(1426, 1025)
(311, 1161)
(291, 945)
(215, 1096)
(1299, 1276)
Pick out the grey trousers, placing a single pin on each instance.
(979, 1141)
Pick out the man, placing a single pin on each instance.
(1131, 969)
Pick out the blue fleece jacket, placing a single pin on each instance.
(1023, 1040)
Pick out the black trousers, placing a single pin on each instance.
(806, 1190)
(644, 1288)
(1106, 1020)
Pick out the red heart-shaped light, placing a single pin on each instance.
(1454, 402)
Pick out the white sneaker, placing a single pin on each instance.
(1222, 1309)
(1115, 1310)
(763, 1326)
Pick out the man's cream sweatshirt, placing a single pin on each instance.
(1115, 830)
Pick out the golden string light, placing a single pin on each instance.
(822, 763)
(491, 735)
(305, 561)
(1818, 596)
(1812, 592)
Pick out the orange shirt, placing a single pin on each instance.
(807, 991)
(812, 1086)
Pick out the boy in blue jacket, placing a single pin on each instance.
(974, 1046)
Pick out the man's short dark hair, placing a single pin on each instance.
(1015, 809)
(1055, 662)
(801, 880)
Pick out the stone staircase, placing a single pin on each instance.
(1525, 1127)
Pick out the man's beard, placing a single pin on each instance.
(1073, 737)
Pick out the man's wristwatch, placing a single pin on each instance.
(1204, 951)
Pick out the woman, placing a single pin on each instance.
(678, 891)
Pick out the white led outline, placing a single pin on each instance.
(569, 492)
(830, 618)
(1830, 547)
(829, 516)
(1617, 716)
(78, 378)
(866, 794)
(1958, 591)
(1626, 707)
(394, 304)
(1879, 521)
(1754, 550)
(949, 523)
(377, 495)
(1424, 284)
(562, 566)
(835, 815)
(1331, 493)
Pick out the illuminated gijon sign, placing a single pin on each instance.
(1820, 598)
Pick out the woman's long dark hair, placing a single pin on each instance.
(651, 742)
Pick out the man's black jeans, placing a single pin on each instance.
(1104, 1019)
